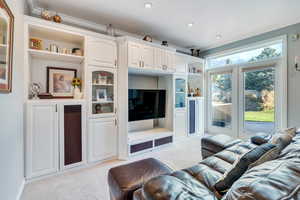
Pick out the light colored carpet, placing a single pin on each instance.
(91, 183)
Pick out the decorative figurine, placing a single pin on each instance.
(110, 30)
(148, 38)
(45, 14)
(35, 90)
(164, 43)
(57, 18)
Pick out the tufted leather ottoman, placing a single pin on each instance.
(211, 145)
(126, 179)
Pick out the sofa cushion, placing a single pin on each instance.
(277, 179)
(124, 180)
(241, 166)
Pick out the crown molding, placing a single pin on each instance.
(35, 11)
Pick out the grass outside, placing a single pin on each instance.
(260, 116)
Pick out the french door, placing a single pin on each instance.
(246, 99)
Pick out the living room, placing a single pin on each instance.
(113, 100)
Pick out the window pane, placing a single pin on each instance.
(259, 98)
(259, 54)
(221, 93)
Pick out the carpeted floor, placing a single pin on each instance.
(91, 183)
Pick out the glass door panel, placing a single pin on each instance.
(259, 100)
(221, 100)
(180, 93)
(103, 92)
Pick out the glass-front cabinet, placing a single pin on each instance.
(180, 92)
(102, 92)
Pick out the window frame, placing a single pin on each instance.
(281, 82)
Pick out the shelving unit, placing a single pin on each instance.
(47, 55)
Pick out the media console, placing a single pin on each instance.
(147, 140)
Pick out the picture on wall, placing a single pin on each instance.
(59, 81)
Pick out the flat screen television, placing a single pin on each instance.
(146, 104)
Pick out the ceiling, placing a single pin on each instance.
(168, 19)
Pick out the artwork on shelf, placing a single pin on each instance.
(6, 47)
(59, 81)
(101, 95)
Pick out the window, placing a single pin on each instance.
(246, 91)
(261, 53)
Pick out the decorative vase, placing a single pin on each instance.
(77, 94)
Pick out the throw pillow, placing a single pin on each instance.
(261, 138)
(241, 167)
(283, 138)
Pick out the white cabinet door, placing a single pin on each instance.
(134, 54)
(102, 139)
(169, 61)
(180, 63)
(180, 122)
(42, 140)
(159, 58)
(147, 56)
(102, 52)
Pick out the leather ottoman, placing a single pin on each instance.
(211, 145)
(124, 180)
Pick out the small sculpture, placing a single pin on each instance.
(35, 90)
(45, 14)
(57, 18)
(148, 38)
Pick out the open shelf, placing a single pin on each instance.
(102, 102)
(47, 55)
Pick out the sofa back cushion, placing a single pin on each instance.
(241, 166)
(277, 179)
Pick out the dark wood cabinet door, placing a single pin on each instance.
(72, 134)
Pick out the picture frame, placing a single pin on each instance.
(101, 95)
(6, 47)
(59, 81)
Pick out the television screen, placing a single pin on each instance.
(146, 104)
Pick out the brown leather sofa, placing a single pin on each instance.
(273, 180)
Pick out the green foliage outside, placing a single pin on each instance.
(260, 116)
(260, 104)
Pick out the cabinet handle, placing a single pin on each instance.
(115, 63)
(55, 107)
(116, 123)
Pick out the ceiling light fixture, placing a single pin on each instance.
(218, 36)
(148, 5)
(190, 24)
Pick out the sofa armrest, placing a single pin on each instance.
(126, 179)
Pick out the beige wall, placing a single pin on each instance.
(11, 117)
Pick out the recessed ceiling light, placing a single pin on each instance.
(218, 36)
(190, 24)
(148, 5)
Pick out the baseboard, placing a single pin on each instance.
(21, 190)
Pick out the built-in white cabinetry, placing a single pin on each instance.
(101, 52)
(181, 63)
(102, 92)
(180, 123)
(140, 55)
(195, 116)
(41, 139)
(102, 139)
(49, 135)
(164, 60)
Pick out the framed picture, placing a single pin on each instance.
(101, 94)
(6, 47)
(59, 81)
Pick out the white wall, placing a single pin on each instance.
(11, 117)
(142, 82)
